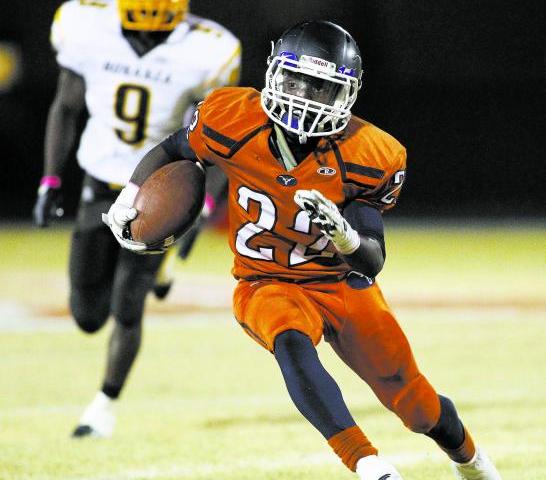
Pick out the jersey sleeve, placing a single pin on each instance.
(65, 37)
(195, 135)
(224, 123)
(385, 195)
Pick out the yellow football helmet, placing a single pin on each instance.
(152, 15)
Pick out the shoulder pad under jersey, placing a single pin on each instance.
(373, 164)
(225, 121)
(76, 28)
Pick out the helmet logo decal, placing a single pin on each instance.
(318, 63)
(328, 171)
(290, 56)
(351, 72)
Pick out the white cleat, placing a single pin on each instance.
(374, 468)
(479, 468)
(98, 419)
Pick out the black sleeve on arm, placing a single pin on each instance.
(368, 222)
(174, 147)
(178, 145)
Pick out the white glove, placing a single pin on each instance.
(326, 216)
(120, 214)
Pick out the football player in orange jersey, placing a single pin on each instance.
(307, 186)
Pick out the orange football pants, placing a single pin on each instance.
(360, 327)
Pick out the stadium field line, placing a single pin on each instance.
(173, 308)
(30, 319)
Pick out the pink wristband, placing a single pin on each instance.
(51, 181)
(209, 202)
(209, 206)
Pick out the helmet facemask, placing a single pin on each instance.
(310, 97)
(152, 15)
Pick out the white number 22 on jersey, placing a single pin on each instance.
(266, 222)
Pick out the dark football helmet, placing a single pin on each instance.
(314, 74)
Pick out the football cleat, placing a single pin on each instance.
(98, 419)
(479, 468)
(373, 467)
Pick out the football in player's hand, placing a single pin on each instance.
(168, 202)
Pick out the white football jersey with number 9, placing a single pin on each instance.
(135, 101)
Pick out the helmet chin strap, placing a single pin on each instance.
(287, 157)
(144, 41)
(300, 137)
(291, 149)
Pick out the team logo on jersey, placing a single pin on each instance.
(359, 281)
(287, 180)
(326, 171)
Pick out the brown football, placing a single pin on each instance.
(168, 202)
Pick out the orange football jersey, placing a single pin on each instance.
(269, 234)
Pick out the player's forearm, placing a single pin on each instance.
(174, 147)
(370, 255)
(62, 122)
(156, 158)
(60, 138)
(368, 258)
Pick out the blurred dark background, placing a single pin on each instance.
(460, 83)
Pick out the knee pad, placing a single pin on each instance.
(89, 309)
(417, 405)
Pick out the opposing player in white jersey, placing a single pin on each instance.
(137, 66)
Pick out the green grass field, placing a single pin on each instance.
(205, 402)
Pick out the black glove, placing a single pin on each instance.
(47, 206)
